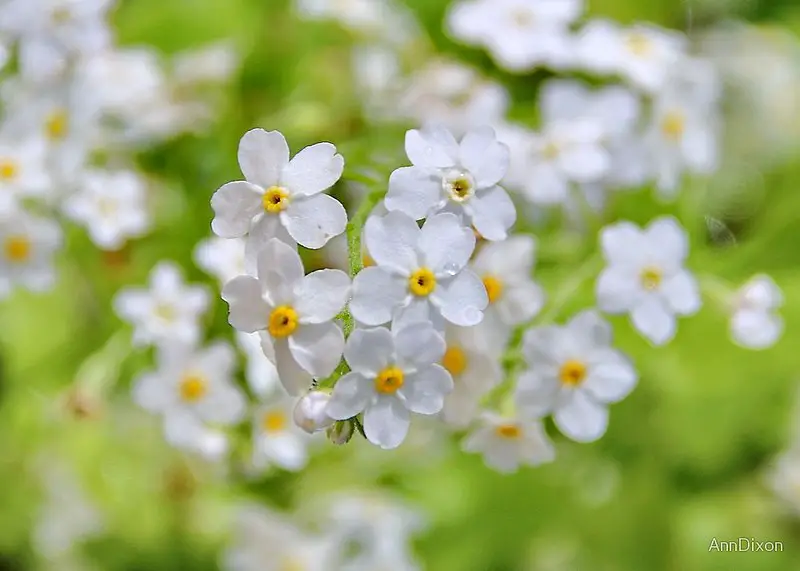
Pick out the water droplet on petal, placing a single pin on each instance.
(450, 268)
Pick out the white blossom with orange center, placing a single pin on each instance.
(573, 373)
(645, 277)
(193, 391)
(27, 246)
(393, 373)
(755, 322)
(277, 440)
(460, 176)
(168, 310)
(294, 313)
(506, 443)
(420, 273)
(281, 198)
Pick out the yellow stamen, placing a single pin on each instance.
(17, 248)
(651, 278)
(639, 44)
(455, 360)
(422, 282)
(57, 125)
(193, 387)
(572, 373)
(389, 380)
(275, 199)
(273, 421)
(494, 288)
(673, 125)
(166, 312)
(510, 431)
(282, 321)
(9, 169)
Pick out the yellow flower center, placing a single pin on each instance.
(282, 321)
(9, 169)
(422, 282)
(193, 387)
(551, 151)
(166, 312)
(639, 44)
(292, 564)
(509, 431)
(651, 278)
(17, 248)
(273, 421)
(572, 373)
(454, 360)
(389, 381)
(522, 18)
(459, 185)
(494, 288)
(275, 199)
(366, 260)
(57, 125)
(673, 125)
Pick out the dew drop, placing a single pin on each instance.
(450, 268)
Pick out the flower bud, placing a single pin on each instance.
(309, 412)
(341, 432)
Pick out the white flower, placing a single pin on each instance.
(223, 258)
(384, 18)
(212, 63)
(167, 311)
(755, 322)
(519, 34)
(260, 373)
(420, 272)
(463, 178)
(474, 372)
(642, 54)
(23, 172)
(191, 388)
(111, 205)
(277, 440)
(514, 298)
(645, 276)
(784, 479)
(27, 245)
(295, 313)
(544, 166)
(310, 411)
(505, 443)
(266, 541)
(392, 374)
(573, 374)
(280, 195)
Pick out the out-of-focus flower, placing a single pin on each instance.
(519, 34)
(645, 276)
(785, 480)
(168, 311)
(506, 443)
(223, 258)
(112, 207)
(393, 373)
(23, 170)
(385, 19)
(27, 246)
(214, 63)
(310, 412)
(755, 323)
(260, 373)
(277, 440)
(574, 373)
(293, 311)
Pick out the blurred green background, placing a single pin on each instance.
(685, 456)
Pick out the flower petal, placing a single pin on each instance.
(520, 302)
(755, 329)
(386, 422)
(581, 418)
(463, 300)
(262, 156)
(682, 293)
(235, 204)
(368, 351)
(585, 163)
(591, 329)
(446, 244)
(312, 221)
(418, 344)
(227, 406)
(511, 258)
(415, 191)
(293, 377)
(493, 213)
(279, 270)
(317, 348)
(622, 244)
(350, 396)
(376, 295)
(265, 229)
(153, 394)
(536, 394)
(653, 320)
(484, 156)
(248, 311)
(617, 290)
(611, 376)
(432, 147)
(392, 241)
(668, 241)
(424, 391)
(321, 295)
(313, 169)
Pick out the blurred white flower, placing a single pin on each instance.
(293, 311)
(419, 272)
(111, 205)
(506, 443)
(755, 323)
(310, 411)
(190, 388)
(642, 54)
(260, 373)
(514, 298)
(461, 177)
(166, 311)
(475, 372)
(214, 63)
(223, 258)
(23, 170)
(519, 34)
(383, 18)
(574, 373)
(281, 196)
(27, 246)
(645, 276)
(785, 480)
(277, 440)
(393, 373)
